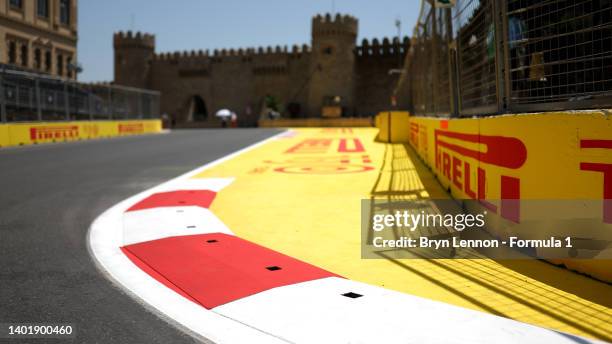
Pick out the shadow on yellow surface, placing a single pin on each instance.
(529, 290)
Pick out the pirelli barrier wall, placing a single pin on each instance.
(392, 126)
(17, 134)
(507, 161)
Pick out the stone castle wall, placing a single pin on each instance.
(375, 83)
(241, 79)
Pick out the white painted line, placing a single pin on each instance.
(318, 312)
(213, 184)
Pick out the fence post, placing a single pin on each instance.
(501, 56)
(139, 98)
(434, 58)
(451, 64)
(66, 99)
(506, 55)
(2, 101)
(89, 103)
(37, 91)
(110, 102)
(17, 98)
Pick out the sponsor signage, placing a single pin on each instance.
(49, 133)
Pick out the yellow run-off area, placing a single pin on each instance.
(300, 194)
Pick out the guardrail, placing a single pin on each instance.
(29, 97)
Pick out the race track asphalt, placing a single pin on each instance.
(49, 196)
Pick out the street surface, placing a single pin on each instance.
(49, 196)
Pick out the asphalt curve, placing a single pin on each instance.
(50, 194)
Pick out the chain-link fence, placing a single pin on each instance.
(34, 97)
(481, 57)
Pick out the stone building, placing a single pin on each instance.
(39, 36)
(301, 80)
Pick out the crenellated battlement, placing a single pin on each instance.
(278, 50)
(385, 48)
(338, 25)
(374, 47)
(131, 39)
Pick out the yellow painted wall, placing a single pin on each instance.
(4, 136)
(16, 134)
(396, 131)
(533, 157)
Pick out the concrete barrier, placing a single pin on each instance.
(542, 156)
(316, 122)
(18, 134)
(392, 126)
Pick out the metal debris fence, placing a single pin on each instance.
(483, 57)
(28, 97)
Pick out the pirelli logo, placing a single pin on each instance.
(604, 169)
(418, 136)
(324, 156)
(452, 149)
(322, 145)
(54, 133)
(131, 128)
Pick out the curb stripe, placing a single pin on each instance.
(177, 198)
(159, 223)
(217, 268)
(159, 277)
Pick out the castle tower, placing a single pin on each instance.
(133, 55)
(332, 62)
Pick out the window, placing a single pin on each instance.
(37, 59)
(65, 12)
(12, 52)
(42, 8)
(48, 61)
(16, 4)
(60, 65)
(24, 55)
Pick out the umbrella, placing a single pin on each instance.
(223, 113)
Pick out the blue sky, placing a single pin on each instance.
(208, 24)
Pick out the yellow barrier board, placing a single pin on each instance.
(18, 134)
(504, 160)
(4, 136)
(392, 126)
